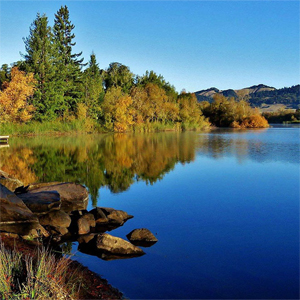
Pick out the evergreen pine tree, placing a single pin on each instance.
(39, 59)
(93, 88)
(69, 64)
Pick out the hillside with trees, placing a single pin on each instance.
(257, 95)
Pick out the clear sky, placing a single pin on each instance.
(194, 44)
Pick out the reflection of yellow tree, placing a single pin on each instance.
(18, 164)
(112, 160)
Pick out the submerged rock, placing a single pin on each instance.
(108, 247)
(41, 202)
(142, 237)
(73, 196)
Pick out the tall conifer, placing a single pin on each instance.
(93, 88)
(39, 59)
(69, 64)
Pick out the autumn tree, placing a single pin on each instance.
(139, 103)
(14, 105)
(152, 77)
(224, 112)
(118, 113)
(190, 113)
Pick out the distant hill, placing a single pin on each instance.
(258, 95)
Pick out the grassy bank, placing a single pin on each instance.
(37, 276)
(88, 126)
(55, 127)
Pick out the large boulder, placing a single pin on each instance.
(41, 202)
(15, 216)
(9, 181)
(73, 196)
(110, 247)
(142, 237)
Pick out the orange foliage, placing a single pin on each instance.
(254, 121)
(13, 99)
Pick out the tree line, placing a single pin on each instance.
(53, 83)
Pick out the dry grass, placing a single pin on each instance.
(40, 277)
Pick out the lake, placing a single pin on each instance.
(224, 206)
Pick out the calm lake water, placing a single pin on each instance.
(224, 206)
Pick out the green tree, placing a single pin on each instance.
(4, 74)
(118, 75)
(69, 64)
(93, 92)
(39, 59)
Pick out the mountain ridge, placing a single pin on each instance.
(257, 95)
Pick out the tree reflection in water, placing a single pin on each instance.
(118, 160)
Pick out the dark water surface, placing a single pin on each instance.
(224, 206)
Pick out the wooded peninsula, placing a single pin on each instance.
(52, 90)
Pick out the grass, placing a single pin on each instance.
(54, 127)
(40, 277)
(76, 126)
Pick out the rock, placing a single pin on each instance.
(109, 247)
(110, 215)
(142, 237)
(15, 217)
(32, 234)
(42, 202)
(83, 226)
(90, 218)
(118, 217)
(9, 181)
(8, 234)
(61, 230)
(73, 196)
(99, 215)
(85, 238)
(56, 218)
(109, 218)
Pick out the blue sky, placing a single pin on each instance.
(194, 44)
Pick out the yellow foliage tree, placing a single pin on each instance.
(117, 110)
(13, 99)
(254, 121)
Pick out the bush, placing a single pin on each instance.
(254, 121)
